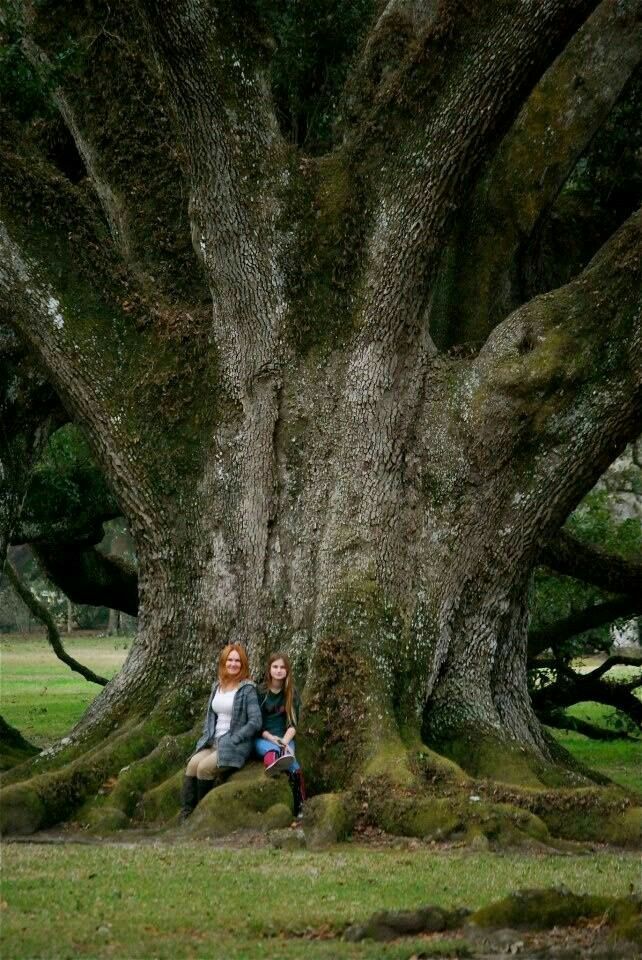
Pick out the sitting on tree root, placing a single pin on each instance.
(232, 719)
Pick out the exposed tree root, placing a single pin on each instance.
(119, 803)
(134, 778)
(419, 794)
(527, 910)
(50, 797)
(247, 800)
(14, 749)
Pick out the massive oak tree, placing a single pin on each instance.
(334, 419)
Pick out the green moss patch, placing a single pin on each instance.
(328, 818)
(456, 817)
(162, 802)
(558, 907)
(246, 801)
(53, 797)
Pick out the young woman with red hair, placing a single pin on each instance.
(232, 721)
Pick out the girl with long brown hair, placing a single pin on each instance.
(232, 720)
(280, 710)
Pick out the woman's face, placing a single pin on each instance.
(233, 664)
(278, 670)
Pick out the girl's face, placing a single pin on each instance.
(278, 670)
(233, 664)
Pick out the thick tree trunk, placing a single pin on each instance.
(331, 486)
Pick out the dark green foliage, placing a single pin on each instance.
(68, 497)
(609, 176)
(19, 85)
(556, 597)
(315, 42)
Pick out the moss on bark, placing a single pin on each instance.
(559, 907)
(54, 796)
(248, 800)
(328, 818)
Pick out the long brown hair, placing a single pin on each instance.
(288, 685)
(244, 673)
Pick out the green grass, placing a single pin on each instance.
(621, 760)
(201, 901)
(41, 696)
(147, 900)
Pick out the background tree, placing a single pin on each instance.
(302, 452)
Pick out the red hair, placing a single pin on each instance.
(244, 673)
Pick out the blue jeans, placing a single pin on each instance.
(264, 746)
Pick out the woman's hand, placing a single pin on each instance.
(289, 734)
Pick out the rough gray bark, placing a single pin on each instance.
(358, 496)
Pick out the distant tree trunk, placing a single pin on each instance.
(113, 627)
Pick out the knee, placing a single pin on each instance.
(206, 768)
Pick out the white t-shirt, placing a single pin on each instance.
(222, 706)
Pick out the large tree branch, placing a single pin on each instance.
(214, 66)
(146, 215)
(598, 615)
(86, 575)
(113, 206)
(572, 557)
(570, 688)
(464, 81)
(563, 721)
(533, 162)
(618, 660)
(555, 394)
(436, 119)
(77, 370)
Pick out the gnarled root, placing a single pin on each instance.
(247, 800)
(417, 793)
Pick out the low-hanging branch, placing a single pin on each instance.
(572, 557)
(623, 607)
(40, 611)
(617, 661)
(569, 687)
(86, 575)
(561, 720)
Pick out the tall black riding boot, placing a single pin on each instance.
(189, 797)
(298, 791)
(203, 787)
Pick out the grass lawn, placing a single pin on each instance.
(41, 696)
(146, 901)
(155, 900)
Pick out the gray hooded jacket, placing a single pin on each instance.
(235, 746)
